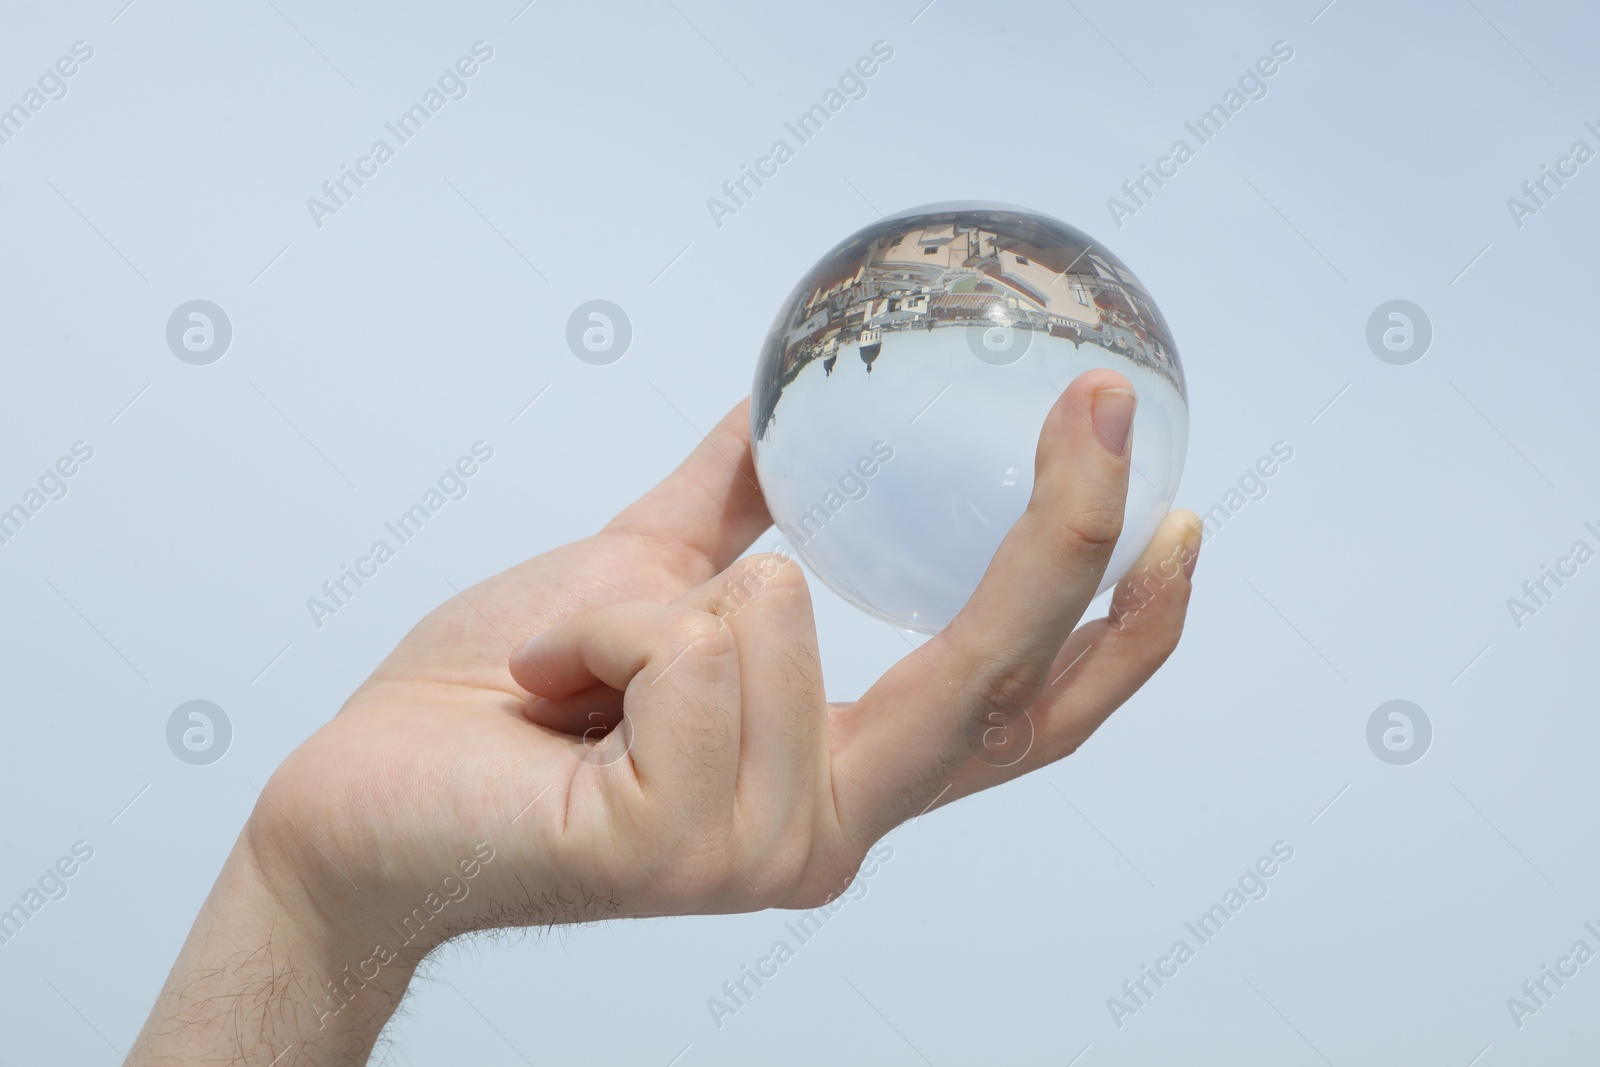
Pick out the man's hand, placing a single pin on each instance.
(677, 754)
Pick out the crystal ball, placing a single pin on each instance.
(900, 393)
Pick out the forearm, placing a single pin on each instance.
(265, 978)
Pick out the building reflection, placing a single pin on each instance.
(964, 268)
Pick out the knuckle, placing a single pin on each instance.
(700, 633)
(1090, 527)
(768, 576)
(1150, 638)
(1002, 692)
(783, 573)
(772, 565)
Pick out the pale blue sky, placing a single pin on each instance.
(424, 315)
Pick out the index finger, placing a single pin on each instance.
(909, 734)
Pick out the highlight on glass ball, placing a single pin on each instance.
(900, 394)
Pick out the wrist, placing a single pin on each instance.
(348, 975)
(264, 970)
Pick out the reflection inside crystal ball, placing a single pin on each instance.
(900, 393)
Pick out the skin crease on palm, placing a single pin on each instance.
(635, 725)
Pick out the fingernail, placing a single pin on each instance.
(1113, 418)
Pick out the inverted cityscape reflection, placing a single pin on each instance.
(900, 393)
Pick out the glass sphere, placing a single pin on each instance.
(900, 394)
